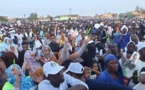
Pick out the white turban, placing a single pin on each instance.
(124, 27)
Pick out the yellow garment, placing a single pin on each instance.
(8, 86)
(60, 41)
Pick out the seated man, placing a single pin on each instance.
(57, 80)
(141, 85)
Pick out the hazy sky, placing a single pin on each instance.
(17, 8)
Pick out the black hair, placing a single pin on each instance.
(142, 70)
(92, 73)
(24, 43)
(66, 63)
(52, 35)
(94, 63)
(78, 75)
(131, 43)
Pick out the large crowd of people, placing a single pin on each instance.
(91, 54)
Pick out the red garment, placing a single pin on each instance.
(126, 81)
(127, 56)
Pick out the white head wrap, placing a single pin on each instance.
(124, 27)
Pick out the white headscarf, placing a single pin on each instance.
(47, 57)
(128, 44)
(124, 27)
(15, 51)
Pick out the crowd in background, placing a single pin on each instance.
(92, 54)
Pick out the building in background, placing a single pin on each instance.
(67, 17)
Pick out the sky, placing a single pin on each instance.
(19, 8)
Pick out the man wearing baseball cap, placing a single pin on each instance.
(56, 79)
(76, 70)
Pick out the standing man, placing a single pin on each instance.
(54, 45)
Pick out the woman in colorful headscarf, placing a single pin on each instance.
(113, 72)
(3, 77)
(47, 55)
(30, 59)
(16, 79)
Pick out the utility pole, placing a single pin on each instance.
(70, 12)
(24, 16)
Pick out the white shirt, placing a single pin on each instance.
(19, 36)
(139, 86)
(45, 84)
(46, 41)
(139, 65)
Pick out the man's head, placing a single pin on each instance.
(54, 73)
(39, 37)
(53, 38)
(124, 29)
(134, 38)
(83, 35)
(25, 46)
(141, 49)
(142, 76)
(76, 70)
(113, 48)
(47, 34)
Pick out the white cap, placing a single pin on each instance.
(76, 68)
(96, 25)
(142, 73)
(141, 45)
(51, 68)
(90, 42)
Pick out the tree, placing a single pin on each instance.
(19, 19)
(142, 11)
(127, 14)
(3, 19)
(49, 17)
(33, 17)
(114, 15)
(137, 9)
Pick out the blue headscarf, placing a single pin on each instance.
(112, 57)
(25, 83)
(106, 77)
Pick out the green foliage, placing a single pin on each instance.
(3, 19)
(140, 10)
(127, 14)
(49, 17)
(19, 19)
(33, 17)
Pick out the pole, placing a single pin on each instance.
(70, 13)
